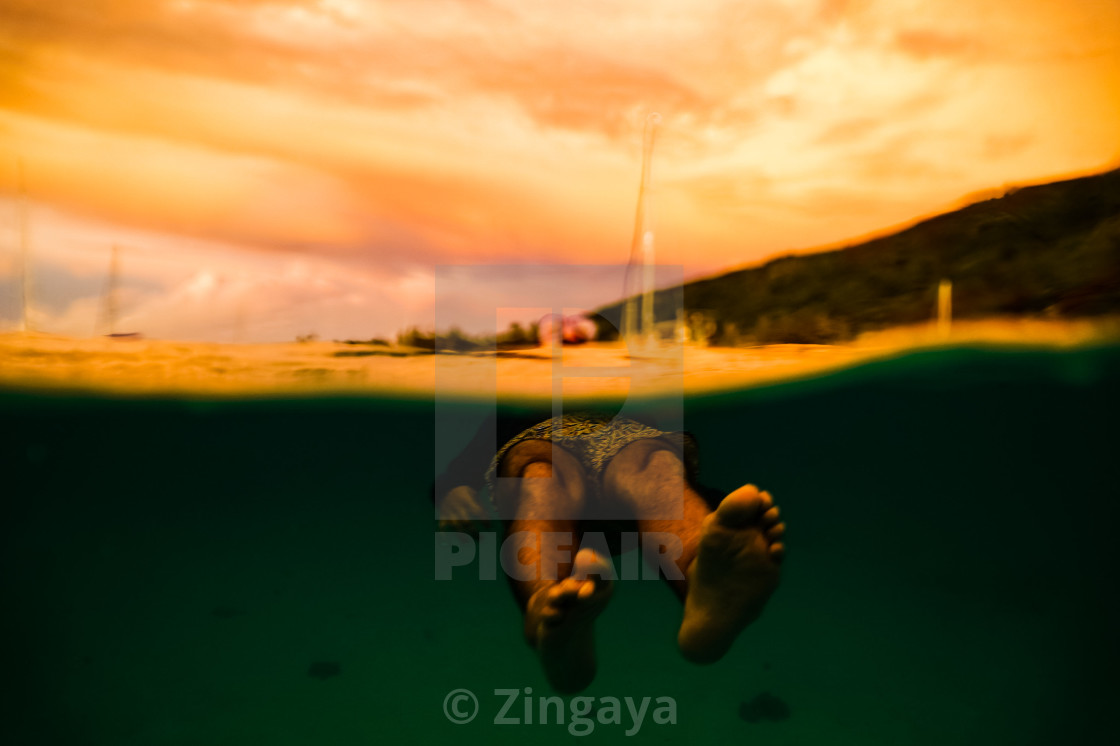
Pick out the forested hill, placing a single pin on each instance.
(1049, 250)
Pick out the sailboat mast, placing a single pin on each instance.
(25, 254)
(111, 293)
(641, 247)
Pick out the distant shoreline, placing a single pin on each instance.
(144, 367)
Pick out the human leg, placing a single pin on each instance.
(545, 488)
(647, 478)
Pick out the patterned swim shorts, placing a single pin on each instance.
(594, 439)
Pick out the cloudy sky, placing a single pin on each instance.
(271, 168)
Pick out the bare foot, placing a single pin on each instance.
(559, 621)
(735, 571)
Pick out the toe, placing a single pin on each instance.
(770, 517)
(563, 592)
(740, 507)
(571, 585)
(589, 563)
(775, 532)
(777, 551)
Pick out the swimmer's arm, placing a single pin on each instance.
(460, 510)
(455, 495)
(455, 492)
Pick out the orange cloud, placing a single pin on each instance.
(403, 135)
(926, 43)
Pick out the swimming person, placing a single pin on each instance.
(556, 482)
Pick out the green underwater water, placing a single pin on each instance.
(174, 570)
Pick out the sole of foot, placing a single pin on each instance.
(560, 621)
(736, 570)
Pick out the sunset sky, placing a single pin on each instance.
(277, 168)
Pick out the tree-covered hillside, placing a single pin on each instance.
(1049, 250)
